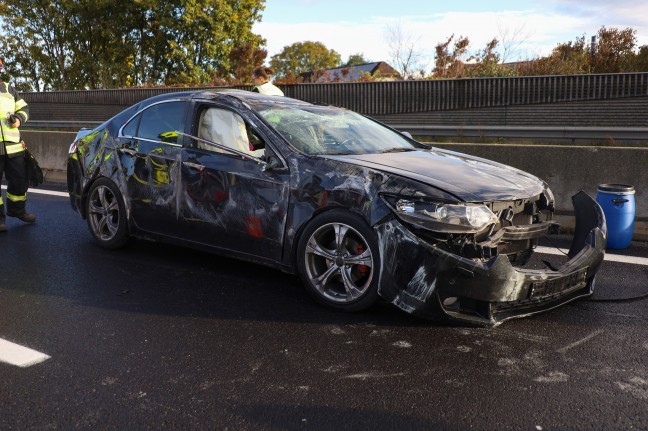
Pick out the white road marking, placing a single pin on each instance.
(45, 192)
(553, 377)
(581, 341)
(370, 375)
(20, 356)
(611, 257)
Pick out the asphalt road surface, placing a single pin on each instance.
(161, 337)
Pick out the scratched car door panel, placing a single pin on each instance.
(238, 204)
(150, 151)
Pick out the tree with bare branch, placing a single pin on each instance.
(406, 58)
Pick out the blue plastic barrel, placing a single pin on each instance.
(618, 203)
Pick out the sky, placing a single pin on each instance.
(532, 29)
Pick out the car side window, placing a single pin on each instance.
(229, 129)
(161, 122)
(130, 129)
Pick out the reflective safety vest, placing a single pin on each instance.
(11, 103)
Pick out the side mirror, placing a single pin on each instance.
(408, 134)
(274, 164)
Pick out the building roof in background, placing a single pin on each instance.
(352, 73)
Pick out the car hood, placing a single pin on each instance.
(471, 179)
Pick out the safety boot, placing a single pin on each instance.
(3, 226)
(25, 216)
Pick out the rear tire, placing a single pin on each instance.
(338, 261)
(106, 214)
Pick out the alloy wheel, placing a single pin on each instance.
(103, 213)
(339, 262)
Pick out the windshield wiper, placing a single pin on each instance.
(398, 150)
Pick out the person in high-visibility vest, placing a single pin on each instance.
(14, 112)
(262, 84)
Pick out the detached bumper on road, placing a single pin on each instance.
(429, 282)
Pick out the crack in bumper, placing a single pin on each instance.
(432, 283)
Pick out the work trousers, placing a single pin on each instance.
(14, 168)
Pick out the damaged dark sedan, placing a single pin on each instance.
(357, 209)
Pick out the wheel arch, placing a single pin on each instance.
(362, 231)
(86, 193)
(306, 223)
(121, 230)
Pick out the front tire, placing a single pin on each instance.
(106, 214)
(338, 260)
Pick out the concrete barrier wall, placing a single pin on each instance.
(51, 150)
(567, 169)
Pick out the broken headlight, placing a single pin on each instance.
(445, 217)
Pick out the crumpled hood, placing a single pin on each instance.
(471, 179)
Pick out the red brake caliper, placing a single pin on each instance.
(362, 269)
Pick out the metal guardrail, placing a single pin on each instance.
(523, 132)
(528, 132)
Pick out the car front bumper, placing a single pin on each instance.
(432, 283)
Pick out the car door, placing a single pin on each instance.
(233, 201)
(150, 153)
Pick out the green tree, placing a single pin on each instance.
(570, 58)
(614, 51)
(487, 63)
(95, 51)
(640, 61)
(74, 44)
(37, 39)
(356, 60)
(203, 35)
(301, 57)
(243, 60)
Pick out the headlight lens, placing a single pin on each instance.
(441, 217)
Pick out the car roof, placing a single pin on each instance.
(228, 96)
(248, 97)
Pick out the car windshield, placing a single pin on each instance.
(327, 130)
